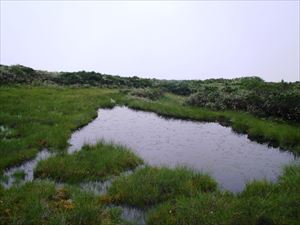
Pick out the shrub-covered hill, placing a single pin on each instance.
(251, 94)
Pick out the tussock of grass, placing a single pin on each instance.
(91, 163)
(41, 203)
(148, 186)
(260, 203)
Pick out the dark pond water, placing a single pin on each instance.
(232, 159)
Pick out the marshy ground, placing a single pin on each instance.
(35, 118)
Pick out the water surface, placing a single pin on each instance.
(26, 167)
(232, 159)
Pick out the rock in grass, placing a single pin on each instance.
(148, 186)
(92, 163)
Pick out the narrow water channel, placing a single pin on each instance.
(27, 168)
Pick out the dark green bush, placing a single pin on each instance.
(152, 94)
(281, 100)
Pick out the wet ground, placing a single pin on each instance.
(27, 168)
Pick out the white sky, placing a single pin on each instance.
(165, 40)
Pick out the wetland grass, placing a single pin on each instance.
(41, 202)
(152, 185)
(260, 203)
(33, 118)
(92, 163)
(19, 175)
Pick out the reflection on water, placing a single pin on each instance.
(101, 187)
(133, 215)
(232, 159)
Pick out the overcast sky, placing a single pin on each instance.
(166, 40)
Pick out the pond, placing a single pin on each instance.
(231, 158)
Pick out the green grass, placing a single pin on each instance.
(19, 175)
(204, 209)
(264, 203)
(92, 163)
(3, 178)
(277, 133)
(151, 185)
(32, 118)
(42, 203)
(261, 203)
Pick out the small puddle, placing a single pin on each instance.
(96, 187)
(27, 168)
(101, 187)
(232, 159)
(129, 214)
(133, 215)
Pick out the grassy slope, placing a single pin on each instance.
(42, 203)
(277, 133)
(91, 163)
(38, 117)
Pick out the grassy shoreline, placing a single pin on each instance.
(275, 133)
(261, 202)
(45, 117)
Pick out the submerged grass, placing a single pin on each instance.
(151, 185)
(19, 175)
(33, 118)
(97, 162)
(277, 133)
(38, 203)
(261, 203)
